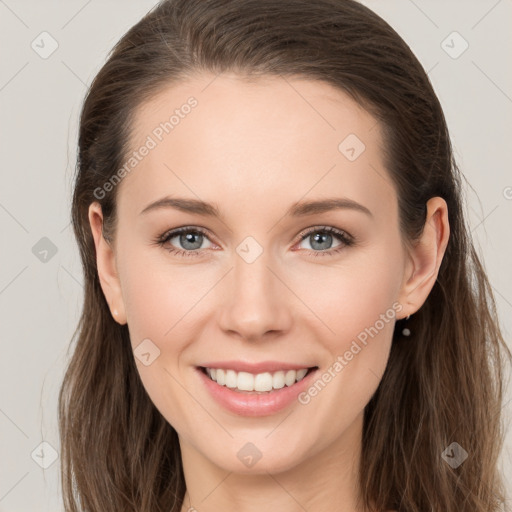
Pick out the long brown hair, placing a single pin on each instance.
(443, 384)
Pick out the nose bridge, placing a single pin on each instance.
(256, 299)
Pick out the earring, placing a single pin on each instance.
(406, 331)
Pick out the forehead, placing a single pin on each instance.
(291, 105)
(230, 137)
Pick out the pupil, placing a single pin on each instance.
(319, 238)
(189, 238)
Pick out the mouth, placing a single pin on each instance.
(256, 383)
(255, 389)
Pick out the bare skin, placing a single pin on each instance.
(254, 149)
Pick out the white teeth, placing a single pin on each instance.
(301, 373)
(263, 382)
(278, 380)
(231, 379)
(290, 377)
(220, 377)
(244, 381)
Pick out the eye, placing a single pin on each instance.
(189, 238)
(321, 237)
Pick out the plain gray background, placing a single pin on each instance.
(40, 99)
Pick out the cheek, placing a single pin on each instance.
(160, 301)
(159, 296)
(362, 316)
(350, 297)
(355, 306)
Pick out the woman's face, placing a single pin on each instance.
(261, 288)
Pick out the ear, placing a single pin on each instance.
(425, 257)
(105, 261)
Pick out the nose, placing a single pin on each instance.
(256, 301)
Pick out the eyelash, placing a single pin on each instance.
(346, 239)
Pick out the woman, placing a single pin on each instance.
(225, 358)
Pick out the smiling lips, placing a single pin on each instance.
(261, 389)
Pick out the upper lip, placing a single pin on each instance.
(261, 367)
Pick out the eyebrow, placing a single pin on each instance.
(299, 209)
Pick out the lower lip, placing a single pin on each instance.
(248, 404)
